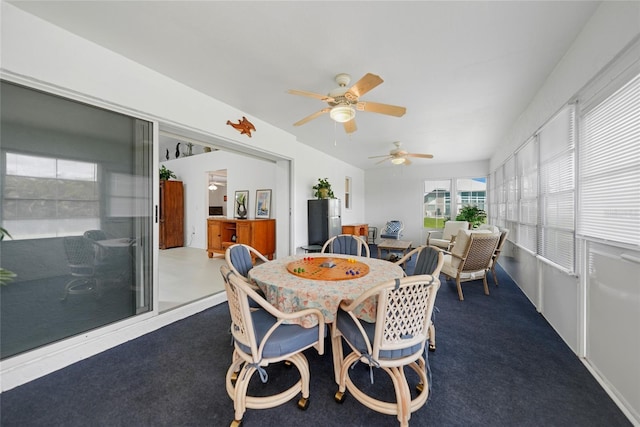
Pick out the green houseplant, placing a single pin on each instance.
(472, 214)
(166, 174)
(322, 190)
(5, 275)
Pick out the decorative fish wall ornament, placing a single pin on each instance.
(244, 126)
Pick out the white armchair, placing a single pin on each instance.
(445, 237)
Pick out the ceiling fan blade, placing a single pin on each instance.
(375, 107)
(364, 85)
(381, 161)
(422, 156)
(407, 162)
(377, 157)
(350, 126)
(321, 97)
(312, 116)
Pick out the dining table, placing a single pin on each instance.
(322, 287)
(322, 281)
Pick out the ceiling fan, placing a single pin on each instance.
(399, 157)
(343, 102)
(213, 185)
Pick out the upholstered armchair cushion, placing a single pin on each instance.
(352, 334)
(284, 340)
(442, 239)
(392, 230)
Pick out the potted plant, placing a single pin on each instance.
(166, 174)
(5, 275)
(323, 189)
(472, 214)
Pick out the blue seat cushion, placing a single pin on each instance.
(241, 259)
(285, 339)
(427, 261)
(346, 245)
(352, 334)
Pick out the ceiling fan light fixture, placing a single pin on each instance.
(398, 160)
(213, 187)
(342, 113)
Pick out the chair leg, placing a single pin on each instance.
(495, 276)
(486, 286)
(459, 288)
(432, 337)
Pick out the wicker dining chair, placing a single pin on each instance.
(347, 244)
(262, 338)
(396, 339)
(429, 260)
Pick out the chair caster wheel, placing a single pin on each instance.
(432, 347)
(303, 403)
(340, 396)
(236, 423)
(420, 388)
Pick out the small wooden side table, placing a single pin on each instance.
(361, 230)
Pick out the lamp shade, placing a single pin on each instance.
(342, 113)
(398, 160)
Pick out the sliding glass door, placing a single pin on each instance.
(76, 217)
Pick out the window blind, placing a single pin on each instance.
(609, 158)
(556, 239)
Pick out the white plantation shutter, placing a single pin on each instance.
(609, 156)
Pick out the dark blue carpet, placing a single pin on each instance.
(498, 363)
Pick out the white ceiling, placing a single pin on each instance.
(464, 70)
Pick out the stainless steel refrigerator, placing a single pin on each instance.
(324, 220)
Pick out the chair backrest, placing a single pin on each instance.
(476, 250)
(347, 244)
(242, 327)
(95, 235)
(429, 261)
(393, 229)
(403, 318)
(80, 256)
(239, 259)
(451, 228)
(503, 238)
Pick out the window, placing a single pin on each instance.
(535, 192)
(437, 203)
(76, 189)
(347, 192)
(557, 190)
(609, 206)
(49, 197)
(471, 191)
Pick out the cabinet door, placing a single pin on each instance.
(244, 232)
(214, 240)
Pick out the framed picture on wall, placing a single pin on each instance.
(263, 203)
(241, 204)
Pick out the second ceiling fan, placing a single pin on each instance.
(343, 101)
(400, 157)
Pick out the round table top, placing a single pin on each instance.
(291, 292)
(328, 268)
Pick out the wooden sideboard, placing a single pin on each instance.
(361, 230)
(257, 233)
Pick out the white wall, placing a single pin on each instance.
(40, 55)
(397, 192)
(192, 171)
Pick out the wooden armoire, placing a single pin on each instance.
(171, 215)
